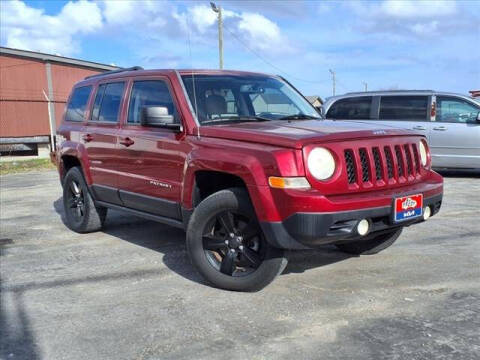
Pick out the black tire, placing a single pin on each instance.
(81, 214)
(247, 262)
(370, 246)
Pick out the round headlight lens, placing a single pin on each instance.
(423, 152)
(321, 163)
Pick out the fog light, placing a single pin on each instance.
(363, 227)
(427, 212)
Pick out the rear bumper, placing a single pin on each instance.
(308, 230)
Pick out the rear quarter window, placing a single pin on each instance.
(403, 108)
(351, 108)
(78, 103)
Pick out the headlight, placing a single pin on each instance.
(423, 152)
(321, 163)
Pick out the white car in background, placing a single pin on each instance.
(451, 122)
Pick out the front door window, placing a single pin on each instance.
(454, 110)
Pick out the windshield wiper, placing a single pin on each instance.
(236, 119)
(300, 117)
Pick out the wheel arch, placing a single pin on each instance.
(208, 182)
(72, 154)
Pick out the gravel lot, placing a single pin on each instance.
(130, 292)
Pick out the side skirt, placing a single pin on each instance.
(164, 220)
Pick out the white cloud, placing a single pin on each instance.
(421, 18)
(418, 8)
(255, 30)
(261, 31)
(28, 28)
(148, 13)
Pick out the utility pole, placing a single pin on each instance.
(365, 85)
(218, 10)
(333, 80)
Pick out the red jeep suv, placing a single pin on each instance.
(243, 163)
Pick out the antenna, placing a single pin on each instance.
(193, 78)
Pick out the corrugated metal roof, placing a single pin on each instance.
(55, 58)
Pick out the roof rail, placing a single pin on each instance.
(389, 91)
(133, 68)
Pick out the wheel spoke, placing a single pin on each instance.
(79, 211)
(228, 263)
(211, 242)
(249, 231)
(71, 203)
(252, 258)
(226, 220)
(82, 209)
(74, 188)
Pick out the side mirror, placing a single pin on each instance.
(478, 117)
(158, 116)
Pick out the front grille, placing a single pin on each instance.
(397, 163)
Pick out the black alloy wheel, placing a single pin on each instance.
(233, 244)
(75, 201)
(226, 244)
(81, 213)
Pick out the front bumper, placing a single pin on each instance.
(308, 230)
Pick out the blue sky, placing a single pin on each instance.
(390, 44)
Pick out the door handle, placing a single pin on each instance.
(418, 127)
(87, 137)
(127, 142)
(440, 128)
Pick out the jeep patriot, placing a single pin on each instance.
(243, 163)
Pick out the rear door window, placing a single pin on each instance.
(78, 103)
(356, 108)
(107, 102)
(403, 108)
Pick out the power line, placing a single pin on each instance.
(267, 61)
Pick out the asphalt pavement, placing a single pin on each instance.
(129, 292)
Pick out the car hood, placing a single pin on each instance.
(296, 134)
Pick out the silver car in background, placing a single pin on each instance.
(451, 122)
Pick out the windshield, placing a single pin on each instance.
(219, 99)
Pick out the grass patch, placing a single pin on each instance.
(14, 167)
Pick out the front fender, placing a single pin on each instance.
(246, 166)
(252, 167)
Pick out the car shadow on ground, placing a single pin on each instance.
(470, 173)
(170, 241)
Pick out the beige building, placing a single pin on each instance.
(315, 101)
